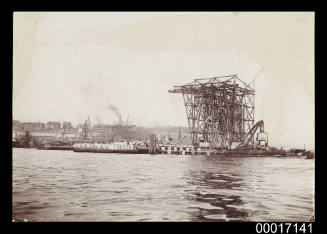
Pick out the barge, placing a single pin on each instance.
(54, 148)
(135, 147)
(193, 150)
(119, 151)
(254, 153)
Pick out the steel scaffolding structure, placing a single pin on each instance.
(220, 110)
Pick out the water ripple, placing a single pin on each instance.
(67, 186)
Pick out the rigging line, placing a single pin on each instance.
(256, 76)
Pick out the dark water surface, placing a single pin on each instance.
(69, 186)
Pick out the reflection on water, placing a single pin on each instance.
(69, 186)
(221, 205)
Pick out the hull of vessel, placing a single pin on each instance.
(251, 153)
(55, 148)
(119, 151)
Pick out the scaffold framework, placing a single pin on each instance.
(220, 110)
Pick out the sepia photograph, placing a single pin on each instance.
(163, 116)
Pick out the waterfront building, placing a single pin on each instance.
(32, 126)
(53, 125)
(67, 125)
(16, 125)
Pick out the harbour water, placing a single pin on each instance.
(68, 186)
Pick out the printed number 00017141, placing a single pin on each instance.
(283, 228)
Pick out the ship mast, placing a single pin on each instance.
(86, 128)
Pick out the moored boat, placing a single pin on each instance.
(114, 147)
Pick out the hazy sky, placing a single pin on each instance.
(68, 66)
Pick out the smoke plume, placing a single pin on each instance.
(115, 110)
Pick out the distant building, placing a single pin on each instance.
(102, 127)
(101, 130)
(32, 126)
(173, 134)
(17, 130)
(53, 125)
(67, 125)
(79, 125)
(16, 125)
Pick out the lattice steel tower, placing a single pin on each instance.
(220, 110)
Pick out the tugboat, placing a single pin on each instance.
(300, 153)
